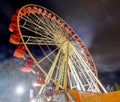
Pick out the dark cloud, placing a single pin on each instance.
(111, 77)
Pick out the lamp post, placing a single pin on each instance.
(32, 98)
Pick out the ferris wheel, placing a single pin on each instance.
(52, 50)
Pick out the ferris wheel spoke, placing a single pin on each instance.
(77, 71)
(46, 30)
(51, 26)
(63, 68)
(61, 72)
(85, 81)
(45, 54)
(37, 40)
(58, 69)
(52, 52)
(47, 23)
(31, 23)
(36, 26)
(74, 74)
(50, 73)
(91, 75)
(79, 67)
(35, 32)
(79, 56)
(56, 38)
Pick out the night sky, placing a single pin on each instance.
(97, 22)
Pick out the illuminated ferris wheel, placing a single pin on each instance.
(53, 51)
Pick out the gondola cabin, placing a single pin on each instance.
(40, 78)
(28, 66)
(19, 51)
(13, 26)
(15, 38)
(50, 89)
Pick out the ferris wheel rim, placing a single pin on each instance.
(34, 5)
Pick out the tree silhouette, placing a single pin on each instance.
(116, 86)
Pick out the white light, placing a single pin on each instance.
(36, 84)
(32, 100)
(20, 90)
